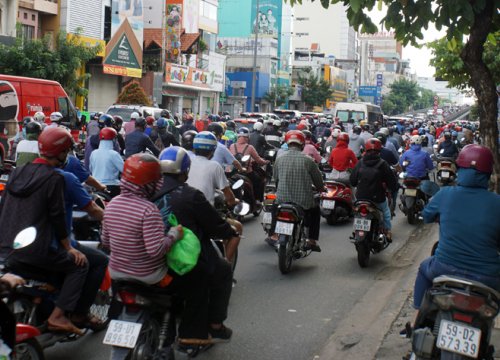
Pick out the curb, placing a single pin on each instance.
(361, 333)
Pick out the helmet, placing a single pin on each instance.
(336, 133)
(295, 137)
(356, 129)
(373, 144)
(447, 134)
(366, 127)
(244, 132)
(118, 119)
(141, 169)
(134, 115)
(416, 139)
(33, 128)
(150, 120)
(140, 122)
(105, 120)
(174, 160)
(231, 125)
(161, 123)
(165, 114)
(381, 136)
(108, 133)
(258, 126)
(277, 123)
(307, 134)
(224, 126)
(39, 116)
(56, 116)
(384, 131)
(205, 140)
(54, 141)
(343, 136)
(302, 126)
(322, 120)
(458, 128)
(454, 133)
(187, 139)
(477, 157)
(414, 132)
(363, 123)
(216, 129)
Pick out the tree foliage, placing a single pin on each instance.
(315, 91)
(38, 59)
(133, 93)
(406, 95)
(278, 95)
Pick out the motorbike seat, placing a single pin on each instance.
(466, 284)
(290, 205)
(153, 293)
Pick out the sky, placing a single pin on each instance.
(419, 57)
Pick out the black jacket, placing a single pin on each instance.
(258, 141)
(188, 125)
(34, 196)
(193, 211)
(369, 175)
(167, 138)
(137, 142)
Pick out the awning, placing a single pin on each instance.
(187, 87)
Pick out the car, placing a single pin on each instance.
(126, 110)
(245, 122)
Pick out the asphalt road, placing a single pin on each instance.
(278, 316)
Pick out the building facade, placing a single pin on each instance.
(8, 17)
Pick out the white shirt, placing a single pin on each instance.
(207, 176)
(27, 146)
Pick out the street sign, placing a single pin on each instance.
(379, 83)
(367, 91)
(380, 76)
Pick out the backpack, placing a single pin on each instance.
(238, 156)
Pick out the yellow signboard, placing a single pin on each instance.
(89, 42)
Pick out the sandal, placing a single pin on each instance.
(92, 322)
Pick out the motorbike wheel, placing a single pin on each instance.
(363, 254)
(285, 254)
(28, 350)
(332, 218)
(412, 216)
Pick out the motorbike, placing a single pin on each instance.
(292, 235)
(271, 156)
(336, 203)
(267, 209)
(8, 167)
(245, 191)
(446, 171)
(455, 321)
(85, 228)
(368, 235)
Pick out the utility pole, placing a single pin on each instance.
(254, 71)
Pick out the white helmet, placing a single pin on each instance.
(416, 139)
(134, 115)
(336, 133)
(322, 120)
(258, 126)
(39, 117)
(277, 123)
(56, 116)
(384, 131)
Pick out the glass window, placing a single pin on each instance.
(343, 115)
(63, 107)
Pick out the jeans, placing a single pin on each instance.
(431, 268)
(384, 207)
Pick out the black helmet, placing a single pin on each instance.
(165, 114)
(27, 120)
(216, 129)
(140, 122)
(243, 131)
(187, 139)
(356, 129)
(33, 128)
(231, 125)
(381, 136)
(366, 127)
(307, 134)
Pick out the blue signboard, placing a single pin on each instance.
(367, 91)
(379, 76)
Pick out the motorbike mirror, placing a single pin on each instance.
(241, 209)
(435, 146)
(402, 175)
(328, 149)
(271, 153)
(245, 158)
(441, 151)
(400, 150)
(323, 161)
(24, 238)
(406, 163)
(237, 184)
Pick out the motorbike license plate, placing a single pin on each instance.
(122, 334)
(266, 217)
(445, 174)
(411, 192)
(330, 175)
(362, 224)
(328, 204)
(459, 338)
(284, 228)
(4, 178)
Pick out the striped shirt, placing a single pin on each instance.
(134, 231)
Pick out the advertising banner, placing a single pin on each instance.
(367, 91)
(267, 21)
(174, 27)
(124, 50)
(184, 75)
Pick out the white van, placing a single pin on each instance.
(126, 110)
(358, 111)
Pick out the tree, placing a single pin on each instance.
(476, 20)
(315, 91)
(37, 59)
(406, 95)
(278, 95)
(425, 100)
(133, 93)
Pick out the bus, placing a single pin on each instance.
(359, 111)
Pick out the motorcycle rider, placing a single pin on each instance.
(150, 121)
(356, 142)
(272, 134)
(295, 174)
(309, 148)
(39, 117)
(27, 149)
(222, 155)
(92, 142)
(369, 177)
(365, 133)
(137, 141)
(231, 131)
(161, 137)
(320, 129)
(129, 127)
(106, 164)
(342, 159)
(93, 126)
(193, 211)
(258, 141)
(117, 125)
(55, 120)
(456, 254)
(420, 162)
(187, 142)
(447, 148)
(187, 124)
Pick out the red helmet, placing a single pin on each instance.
(373, 144)
(54, 141)
(477, 157)
(107, 134)
(414, 132)
(343, 136)
(458, 128)
(141, 169)
(295, 136)
(302, 126)
(150, 120)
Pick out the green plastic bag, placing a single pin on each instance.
(183, 256)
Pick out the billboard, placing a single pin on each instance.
(267, 21)
(124, 50)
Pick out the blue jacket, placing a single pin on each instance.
(450, 149)
(106, 164)
(137, 142)
(469, 234)
(420, 162)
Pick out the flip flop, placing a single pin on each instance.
(91, 322)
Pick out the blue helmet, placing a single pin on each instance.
(454, 133)
(205, 140)
(174, 160)
(161, 123)
(105, 120)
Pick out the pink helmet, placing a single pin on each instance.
(477, 157)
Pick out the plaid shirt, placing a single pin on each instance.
(295, 173)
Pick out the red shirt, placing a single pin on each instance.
(342, 158)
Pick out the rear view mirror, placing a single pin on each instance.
(241, 209)
(245, 158)
(237, 184)
(24, 238)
